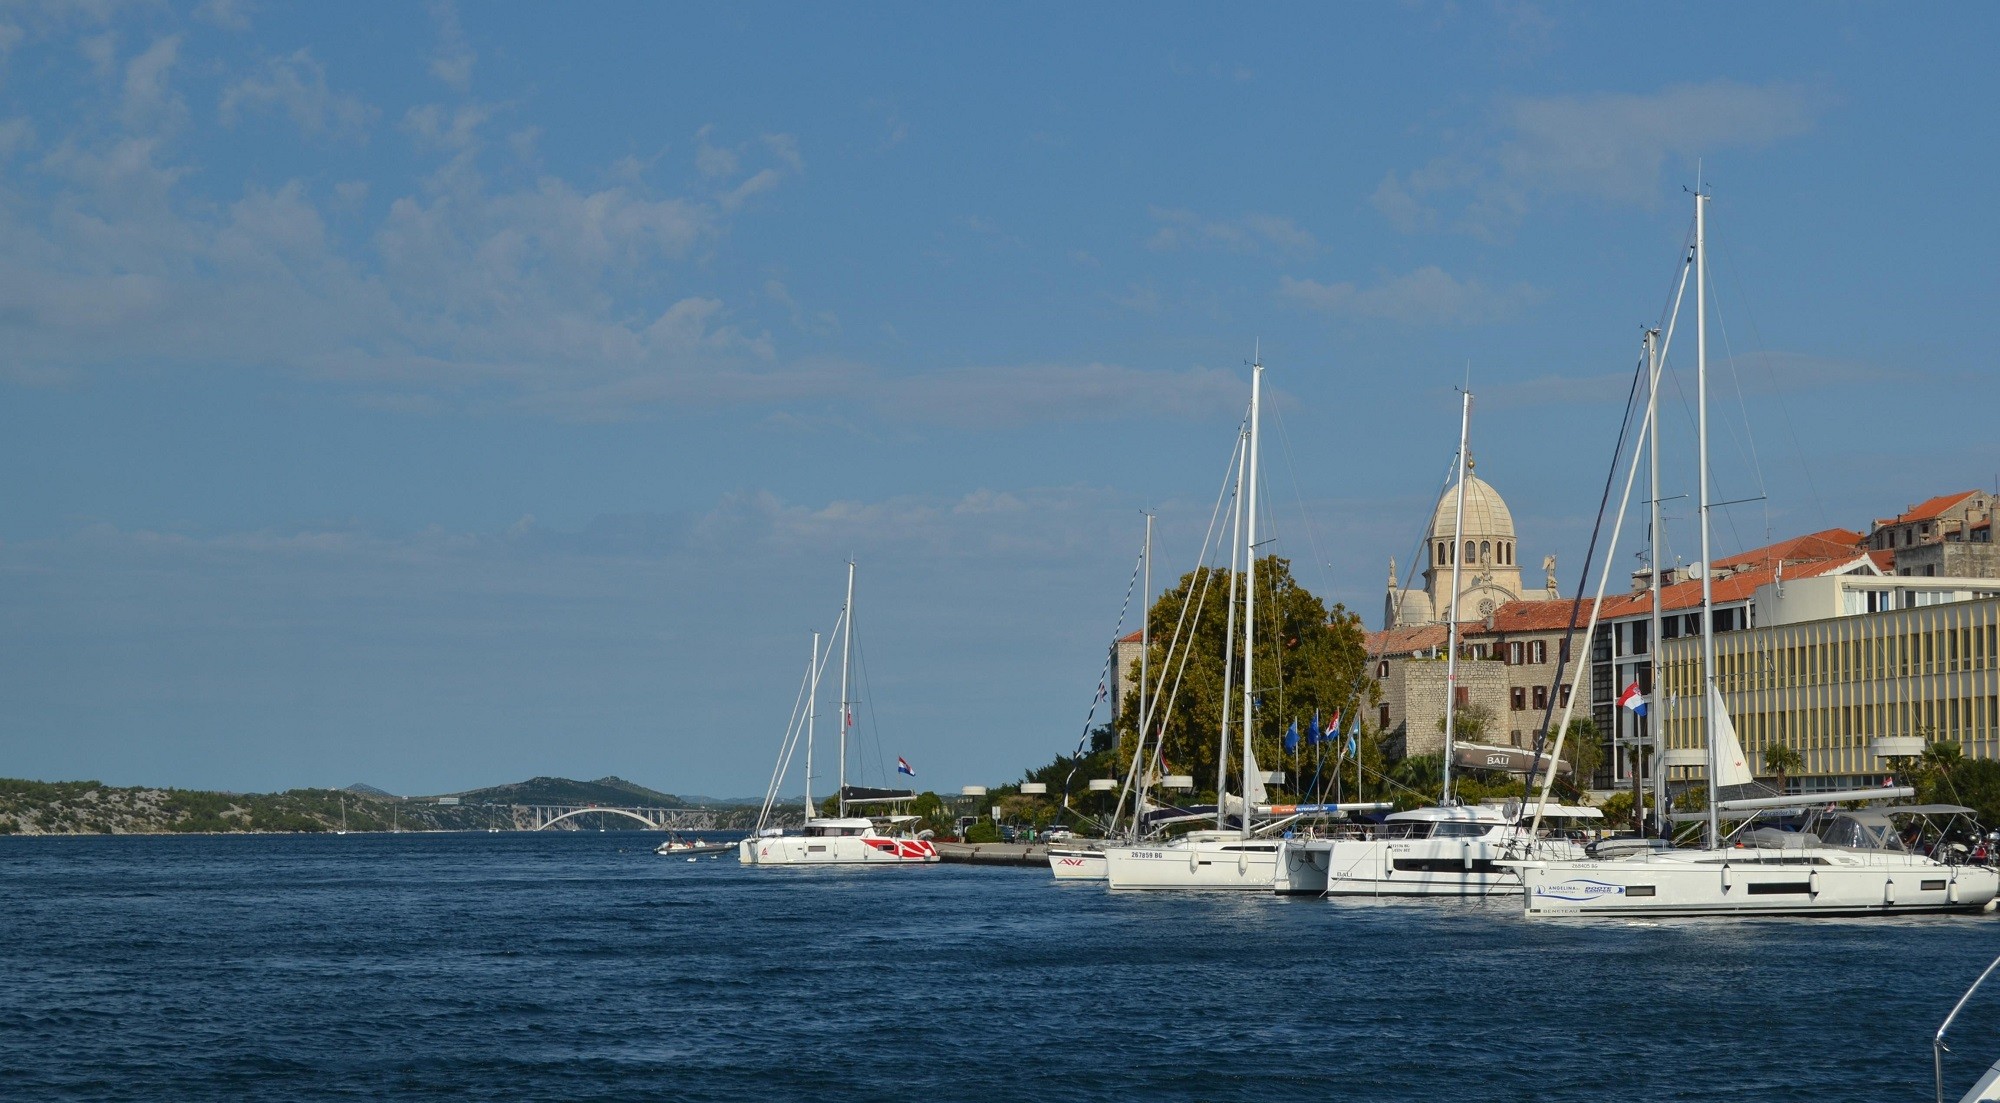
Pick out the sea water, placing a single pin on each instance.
(581, 966)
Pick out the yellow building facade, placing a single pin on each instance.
(1829, 689)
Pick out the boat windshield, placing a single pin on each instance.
(1859, 830)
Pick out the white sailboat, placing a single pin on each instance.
(1447, 850)
(1844, 861)
(1219, 858)
(842, 839)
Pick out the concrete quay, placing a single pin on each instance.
(995, 854)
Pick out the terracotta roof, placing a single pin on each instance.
(1884, 558)
(1131, 637)
(1403, 641)
(1830, 544)
(1924, 511)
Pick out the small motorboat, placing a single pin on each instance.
(690, 847)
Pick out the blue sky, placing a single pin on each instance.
(439, 396)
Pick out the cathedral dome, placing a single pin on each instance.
(1488, 529)
(1486, 512)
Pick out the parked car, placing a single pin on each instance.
(1057, 834)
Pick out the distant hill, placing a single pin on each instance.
(367, 790)
(562, 790)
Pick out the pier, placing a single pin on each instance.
(995, 854)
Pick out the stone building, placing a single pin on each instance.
(1489, 567)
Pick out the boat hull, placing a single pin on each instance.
(1232, 866)
(1077, 864)
(1754, 883)
(806, 850)
(1457, 868)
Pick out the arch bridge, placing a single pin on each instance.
(541, 817)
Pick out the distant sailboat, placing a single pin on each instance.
(343, 815)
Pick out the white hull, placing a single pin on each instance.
(1077, 864)
(807, 850)
(1200, 861)
(1451, 867)
(1746, 881)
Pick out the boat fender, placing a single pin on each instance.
(1951, 891)
(1242, 863)
(1725, 876)
(1889, 890)
(1812, 883)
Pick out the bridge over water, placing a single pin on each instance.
(540, 817)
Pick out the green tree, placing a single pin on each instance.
(1470, 723)
(1308, 658)
(1782, 761)
(1583, 750)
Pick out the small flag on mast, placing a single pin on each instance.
(903, 767)
(1292, 738)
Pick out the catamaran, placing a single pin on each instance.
(1844, 861)
(1446, 850)
(842, 838)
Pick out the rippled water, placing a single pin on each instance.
(582, 966)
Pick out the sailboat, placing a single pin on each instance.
(1845, 861)
(1218, 858)
(843, 838)
(1446, 850)
(1082, 859)
(343, 815)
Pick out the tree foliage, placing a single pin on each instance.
(1307, 658)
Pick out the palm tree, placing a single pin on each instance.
(1942, 756)
(1782, 761)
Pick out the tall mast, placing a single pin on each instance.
(1708, 696)
(1145, 658)
(1250, 586)
(812, 706)
(1229, 642)
(1451, 630)
(846, 707)
(1656, 717)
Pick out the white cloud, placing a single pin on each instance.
(230, 15)
(453, 62)
(1251, 233)
(148, 96)
(1610, 147)
(297, 86)
(1426, 296)
(1040, 393)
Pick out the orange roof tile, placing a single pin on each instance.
(1924, 511)
(1403, 641)
(1131, 637)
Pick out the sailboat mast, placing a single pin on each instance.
(1709, 696)
(1451, 629)
(1656, 714)
(1250, 585)
(812, 707)
(846, 706)
(1229, 640)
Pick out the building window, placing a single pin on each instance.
(1519, 700)
(1382, 669)
(1538, 651)
(1485, 550)
(1565, 697)
(1384, 725)
(1463, 695)
(1440, 553)
(1469, 552)
(1516, 736)
(1517, 653)
(1541, 697)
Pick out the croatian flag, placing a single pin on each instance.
(903, 767)
(1633, 699)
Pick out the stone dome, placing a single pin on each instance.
(1486, 513)
(1488, 529)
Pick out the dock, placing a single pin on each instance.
(995, 854)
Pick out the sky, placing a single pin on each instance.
(437, 396)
